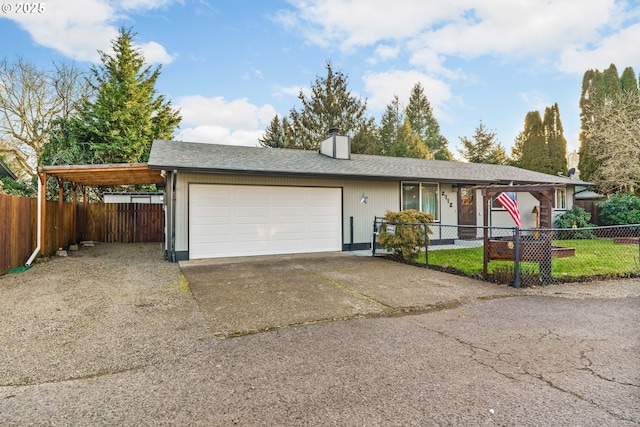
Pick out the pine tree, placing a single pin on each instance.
(410, 144)
(367, 139)
(597, 88)
(274, 135)
(330, 105)
(420, 115)
(126, 115)
(517, 150)
(483, 148)
(391, 121)
(556, 142)
(628, 81)
(534, 150)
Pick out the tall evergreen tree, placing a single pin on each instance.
(628, 81)
(420, 115)
(541, 146)
(391, 121)
(534, 149)
(330, 105)
(126, 115)
(410, 144)
(274, 135)
(556, 142)
(483, 148)
(597, 87)
(367, 139)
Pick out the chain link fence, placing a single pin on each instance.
(524, 257)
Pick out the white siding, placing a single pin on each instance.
(381, 197)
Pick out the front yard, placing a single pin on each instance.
(593, 258)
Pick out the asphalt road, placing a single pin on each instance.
(323, 340)
(520, 361)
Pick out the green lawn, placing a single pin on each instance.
(596, 257)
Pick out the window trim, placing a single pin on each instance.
(420, 184)
(555, 199)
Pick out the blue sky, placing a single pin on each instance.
(230, 66)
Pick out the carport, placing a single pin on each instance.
(80, 177)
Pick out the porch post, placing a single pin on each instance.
(74, 215)
(60, 214)
(43, 212)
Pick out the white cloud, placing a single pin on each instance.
(220, 135)
(385, 52)
(78, 29)
(237, 114)
(358, 23)
(620, 49)
(435, 30)
(214, 120)
(383, 86)
(155, 53)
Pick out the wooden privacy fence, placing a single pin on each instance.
(121, 222)
(118, 222)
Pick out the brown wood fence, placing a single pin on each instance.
(591, 207)
(122, 222)
(118, 222)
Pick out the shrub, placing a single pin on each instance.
(620, 209)
(576, 219)
(409, 237)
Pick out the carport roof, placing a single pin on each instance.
(106, 174)
(215, 158)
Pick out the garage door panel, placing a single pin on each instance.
(236, 220)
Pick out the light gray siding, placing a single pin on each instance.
(380, 197)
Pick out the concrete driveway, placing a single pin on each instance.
(563, 355)
(251, 294)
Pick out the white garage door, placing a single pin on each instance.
(239, 220)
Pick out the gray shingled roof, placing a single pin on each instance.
(5, 171)
(200, 157)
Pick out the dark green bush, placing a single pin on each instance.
(620, 209)
(17, 188)
(409, 237)
(576, 219)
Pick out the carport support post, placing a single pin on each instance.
(516, 259)
(60, 214)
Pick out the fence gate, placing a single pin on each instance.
(123, 222)
(133, 223)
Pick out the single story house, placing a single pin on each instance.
(223, 200)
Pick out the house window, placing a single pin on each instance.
(560, 200)
(421, 197)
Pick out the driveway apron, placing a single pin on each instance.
(250, 294)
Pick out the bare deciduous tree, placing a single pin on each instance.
(31, 100)
(615, 132)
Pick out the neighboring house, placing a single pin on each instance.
(133, 197)
(6, 172)
(224, 200)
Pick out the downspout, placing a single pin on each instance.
(39, 223)
(174, 178)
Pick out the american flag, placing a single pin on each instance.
(508, 201)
